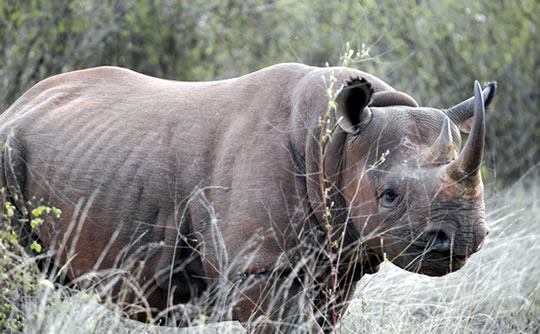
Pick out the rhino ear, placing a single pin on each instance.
(351, 112)
(462, 114)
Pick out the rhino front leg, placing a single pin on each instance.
(269, 303)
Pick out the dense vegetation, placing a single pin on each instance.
(432, 50)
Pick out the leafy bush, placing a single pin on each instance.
(432, 50)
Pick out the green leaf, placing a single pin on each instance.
(57, 212)
(40, 209)
(35, 246)
(36, 221)
(10, 210)
(13, 237)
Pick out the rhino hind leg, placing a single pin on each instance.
(12, 178)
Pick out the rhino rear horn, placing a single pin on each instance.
(467, 166)
(443, 149)
(461, 114)
(351, 112)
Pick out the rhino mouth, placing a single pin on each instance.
(441, 266)
(435, 264)
(434, 256)
(441, 256)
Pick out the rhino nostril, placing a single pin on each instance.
(441, 243)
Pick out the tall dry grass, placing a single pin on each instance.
(498, 291)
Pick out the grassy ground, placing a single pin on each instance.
(498, 291)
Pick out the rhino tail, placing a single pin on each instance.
(12, 169)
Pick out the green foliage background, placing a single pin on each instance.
(432, 50)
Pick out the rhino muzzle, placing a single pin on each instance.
(460, 242)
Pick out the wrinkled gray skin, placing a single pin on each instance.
(214, 179)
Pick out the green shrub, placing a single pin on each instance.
(433, 50)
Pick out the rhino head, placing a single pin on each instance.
(412, 195)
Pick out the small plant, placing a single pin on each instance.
(19, 272)
(17, 276)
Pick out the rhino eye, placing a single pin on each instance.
(389, 196)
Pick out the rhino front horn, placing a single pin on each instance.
(462, 113)
(467, 166)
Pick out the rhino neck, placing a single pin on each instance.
(309, 103)
(317, 179)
